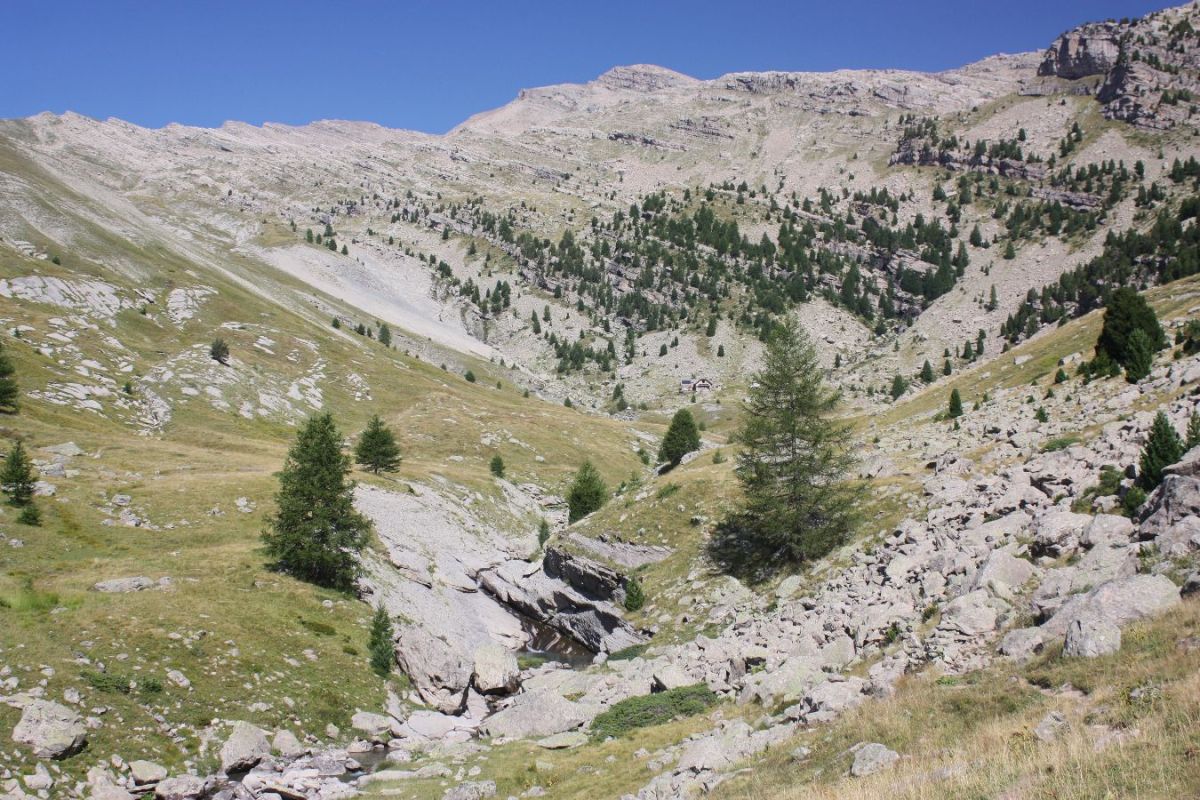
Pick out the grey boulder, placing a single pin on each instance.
(50, 730)
(245, 747)
(872, 758)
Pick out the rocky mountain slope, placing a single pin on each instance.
(534, 285)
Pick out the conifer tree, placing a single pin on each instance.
(793, 465)
(956, 407)
(588, 492)
(1163, 448)
(927, 372)
(899, 386)
(377, 450)
(946, 367)
(635, 597)
(682, 437)
(8, 384)
(16, 479)
(1139, 356)
(380, 644)
(219, 351)
(385, 335)
(1125, 312)
(1193, 431)
(497, 466)
(30, 515)
(315, 533)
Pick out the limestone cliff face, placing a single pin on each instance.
(1087, 50)
(1148, 66)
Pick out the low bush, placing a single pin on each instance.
(653, 709)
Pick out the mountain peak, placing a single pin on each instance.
(644, 78)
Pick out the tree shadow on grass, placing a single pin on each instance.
(738, 548)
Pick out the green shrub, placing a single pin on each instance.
(111, 682)
(635, 598)
(653, 709)
(629, 653)
(1061, 443)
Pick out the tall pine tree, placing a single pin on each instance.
(793, 466)
(377, 450)
(316, 534)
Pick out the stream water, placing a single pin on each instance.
(547, 644)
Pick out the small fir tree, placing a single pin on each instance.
(793, 466)
(219, 351)
(8, 385)
(30, 515)
(16, 478)
(497, 466)
(1163, 448)
(1125, 312)
(927, 372)
(380, 645)
(1193, 431)
(956, 406)
(682, 437)
(377, 450)
(635, 598)
(588, 492)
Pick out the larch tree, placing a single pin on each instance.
(794, 463)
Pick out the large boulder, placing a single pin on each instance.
(124, 585)
(50, 730)
(146, 772)
(1005, 569)
(1091, 638)
(245, 747)
(181, 787)
(871, 758)
(592, 579)
(535, 715)
(1118, 602)
(825, 701)
(496, 670)
(376, 727)
(437, 668)
(1057, 533)
(1172, 512)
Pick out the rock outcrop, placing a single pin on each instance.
(50, 730)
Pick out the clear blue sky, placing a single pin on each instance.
(429, 65)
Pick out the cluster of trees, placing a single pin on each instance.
(1169, 250)
(1129, 337)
